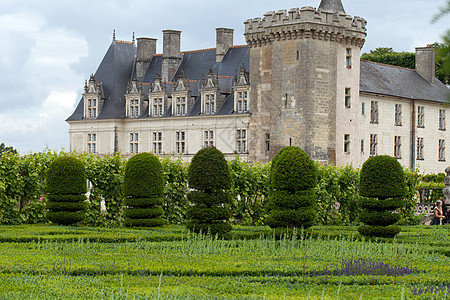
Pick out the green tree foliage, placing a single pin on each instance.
(337, 195)
(66, 186)
(293, 178)
(443, 49)
(4, 149)
(209, 175)
(383, 184)
(143, 189)
(175, 200)
(249, 190)
(408, 60)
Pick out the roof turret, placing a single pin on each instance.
(332, 5)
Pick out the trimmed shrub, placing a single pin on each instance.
(382, 179)
(144, 190)
(209, 174)
(66, 186)
(292, 201)
(209, 171)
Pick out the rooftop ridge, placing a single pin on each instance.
(386, 65)
(199, 50)
(124, 42)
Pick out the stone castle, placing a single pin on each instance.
(299, 81)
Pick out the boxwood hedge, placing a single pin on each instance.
(144, 190)
(292, 201)
(383, 184)
(209, 175)
(66, 186)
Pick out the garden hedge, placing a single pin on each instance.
(66, 186)
(144, 190)
(292, 201)
(383, 183)
(209, 175)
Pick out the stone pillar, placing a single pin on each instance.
(146, 49)
(171, 54)
(446, 192)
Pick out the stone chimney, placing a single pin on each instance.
(425, 63)
(224, 39)
(146, 49)
(171, 54)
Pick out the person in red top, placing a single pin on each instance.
(438, 214)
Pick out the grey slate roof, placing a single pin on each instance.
(114, 73)
(399, 82)
(117, 67)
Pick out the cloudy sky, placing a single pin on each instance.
(49, 47)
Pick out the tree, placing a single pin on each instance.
(4, 149)
(443, 51)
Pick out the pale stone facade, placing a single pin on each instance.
(299, 81)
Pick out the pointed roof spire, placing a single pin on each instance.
(332, 5)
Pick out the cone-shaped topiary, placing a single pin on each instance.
(383, 184)
(143, 188)
(209, 175)
(293, 177)
(66, 186)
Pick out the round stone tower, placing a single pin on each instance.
(303, 64)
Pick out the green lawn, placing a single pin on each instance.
(52, 262)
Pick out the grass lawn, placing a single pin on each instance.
(52, 262)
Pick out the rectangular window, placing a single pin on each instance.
(348, 58)
(91, 143)
(158, 107)
(441, 150)
(157, 142)
(180, 142)
(267, 142)
(208, 138)
(346, 143)
(210, 104)
(397, 147)
(134, 143)
(241, 141)
(180, 106)
(363, 108)
(348, 98)
(420, 148)
(134, 108)
(420, 116)
(373, 144)
(398, 114)
(242, 102)
(442, 119)
(362, 146)
(374, 112)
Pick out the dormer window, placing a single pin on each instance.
(92, 109)
(242, 102)
(92, 98)
(133, 97)
(210, 104)
(181, 106)
(158, 107)
(134, 108)
(241, 91)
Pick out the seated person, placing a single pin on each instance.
(438, 214)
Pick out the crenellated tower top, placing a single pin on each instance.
(329, 22)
